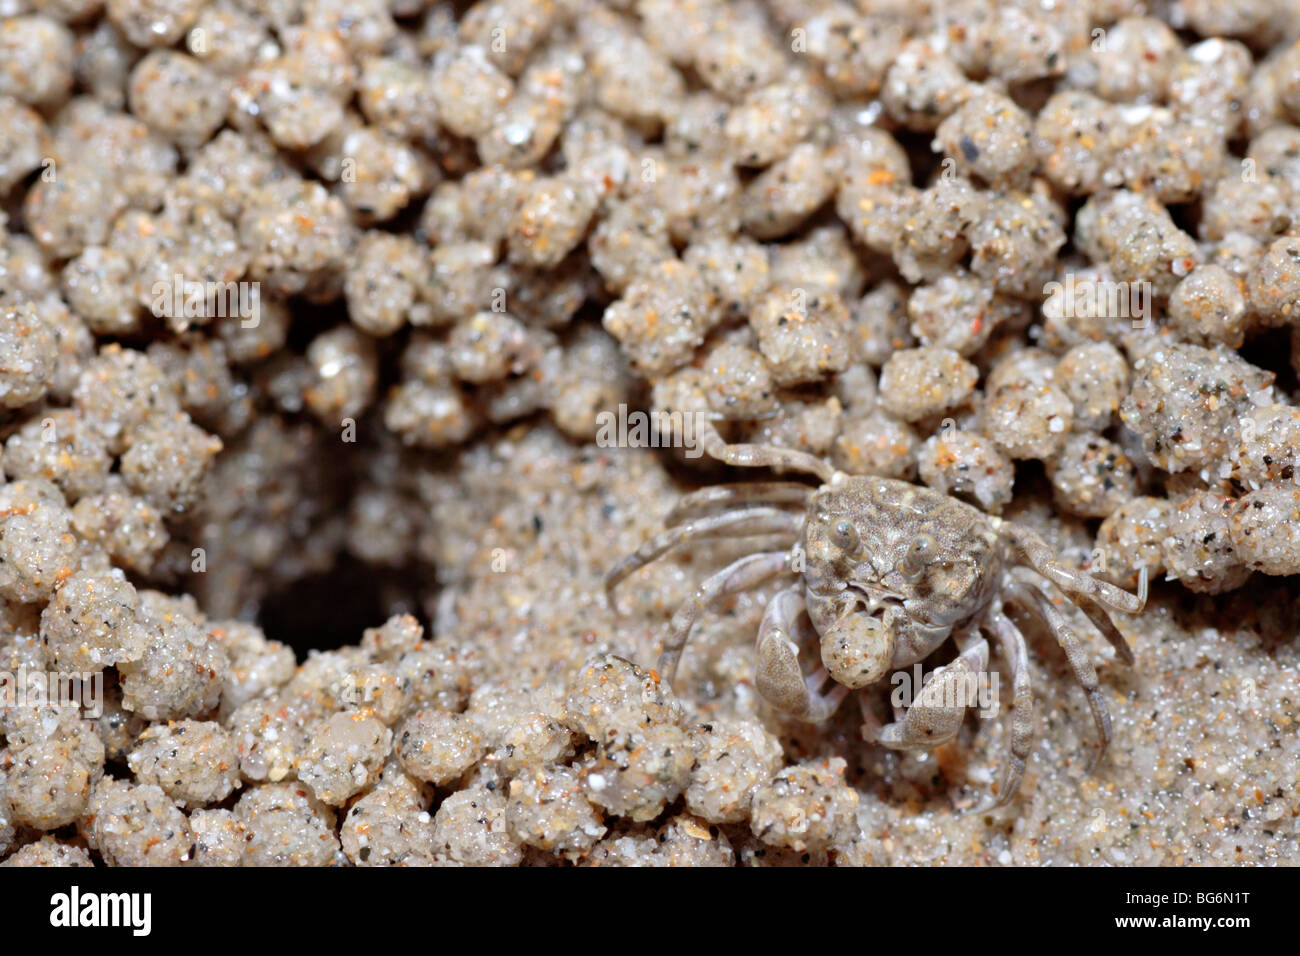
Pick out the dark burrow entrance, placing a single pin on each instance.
(331, 610)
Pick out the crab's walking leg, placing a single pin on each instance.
(741, 575)
(1012, 645)
(871, 724)
(763, 456)
(1043, 560)
(730, 524)
(778, 676)
(1037, 602)
(755, 492)
(938, 708)
(1101, 622)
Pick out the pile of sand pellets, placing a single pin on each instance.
(311, 305)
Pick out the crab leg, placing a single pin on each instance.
(1012, 644)
(1101, 622)
(760, 492)
(1041, 559)
(1035, 601)
(939, 705)
(763, 456)
(744, 522)
(741, 575)
(778, 676)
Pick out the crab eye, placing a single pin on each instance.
(845, 536)
(921, 552)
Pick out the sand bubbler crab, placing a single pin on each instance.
(889, 571)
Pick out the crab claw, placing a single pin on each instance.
(858, 649)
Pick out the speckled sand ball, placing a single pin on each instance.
(806, 807)
(93, 622)
(1186, 401)
(468, 90)
(1029, 421)
(1096, 378)
(389, 826)
(626, 242)
(118, 391)
(532, 740)
(345, 367)
(1137, 237)
(880, 324)
(398, 635)
(1075, 140)
(784, 195)
(920, 382)
(296, 233)
(381, 282)
(38, 551)
(37, 53)
(470, 828)
(270, 734)
(27, 143)
(960, 311)
(177, 96)
(49, 782)
(218, 838)
(1198, 549)
(168, 460)
(61, 448)
(1274, 285)
(967, 465)
(148, 23)
(662, 317)
(436, 746)
(877, 206)
(876, 443)
(136, 825)
(285, 825)
(182, 669)
(547, 808)
(640, 773)
(100, 284)
(428, 416)
(923, 86)
(741, 383)
(1264, 528)
(932, 234)
(611, 697)
(439, 675)
(1269, 446)
(194, 761)
(821, 258)
(1137, 60)
(1091, 476)
(989, 137)
(810, 426)
(551, 220)
(29, 350)
(683, 841)
(490, 346)
(803, 334)
(128, 528)
(1015, 241)
(1209, 306)
(1247, 205)
(48, 851)
(736, 757)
